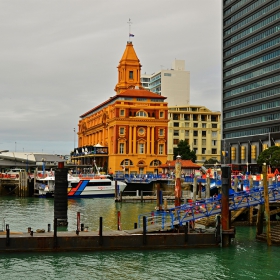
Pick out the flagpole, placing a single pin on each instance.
(129, 28)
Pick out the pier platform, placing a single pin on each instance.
(110, 240)
(275, 235)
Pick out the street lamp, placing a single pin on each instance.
(74, 139)
(27, 161)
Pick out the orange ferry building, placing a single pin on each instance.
(127, 132)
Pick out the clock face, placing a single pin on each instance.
(141, 131)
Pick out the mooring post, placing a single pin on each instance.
(178, 189)
(260, 217)
(251, 183)
(78, 221)
(194, 190)
(250, 213)
(7, 235)
(207, 191)
(266, 204)
(235, 184)
(135, 225)
(199, 190)
(119, 227)
(158, 197)
(61, 195)
(165, 204)
(186, 232)
(49, 227)
(55, 233)
(100, 231)
(226, 184)
(144, 230)
(218, 229)
(116, 189)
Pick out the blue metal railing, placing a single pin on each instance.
(208, 207)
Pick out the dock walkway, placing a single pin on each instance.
(110, 240)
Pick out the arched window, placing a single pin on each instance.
(126, 162)
(155, 162)
(141, 114)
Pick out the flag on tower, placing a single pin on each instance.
(131, 35)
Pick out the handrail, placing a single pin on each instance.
(208, 207)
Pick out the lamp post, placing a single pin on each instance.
(27, 161)
(74, 139)
(247, 163)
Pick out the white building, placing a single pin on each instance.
(173, 84)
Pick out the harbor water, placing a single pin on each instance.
(246, 258)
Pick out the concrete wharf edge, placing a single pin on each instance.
(109, 241)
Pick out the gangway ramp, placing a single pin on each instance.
(205, 208)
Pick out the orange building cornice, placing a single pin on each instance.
(130, 93)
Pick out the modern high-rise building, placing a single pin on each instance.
(251, 79)
(172, 83)
(199, 126)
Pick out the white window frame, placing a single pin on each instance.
(141, 148)
(121, 148)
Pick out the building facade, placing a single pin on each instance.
(128, 132)
(251, 79)
(199, 126)
(173, 84)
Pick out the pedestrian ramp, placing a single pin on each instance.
(205, 208)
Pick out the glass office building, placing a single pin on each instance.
(251, 79)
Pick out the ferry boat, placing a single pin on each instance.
(83, 186)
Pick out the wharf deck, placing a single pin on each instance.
(275, 235)
(110, 240)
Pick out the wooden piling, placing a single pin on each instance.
(207, 195)
(260, 217)
(251, 183)
(226, 184)
(251, 215)
(199, 190)
(194, 189)
(158, 197)
(266, 204)
(235, 184)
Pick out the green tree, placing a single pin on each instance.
(211, 161)
(183, 149)
(270, 156)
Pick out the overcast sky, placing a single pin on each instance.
(59, 59)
